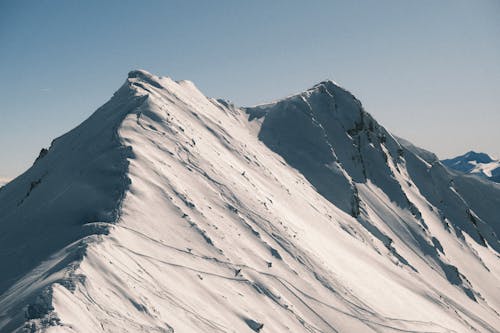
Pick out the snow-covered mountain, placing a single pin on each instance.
(167, 211)
(479, 164)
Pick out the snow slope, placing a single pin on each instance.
(479, 164)
(167, 211)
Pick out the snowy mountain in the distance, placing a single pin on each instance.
(167, 211)
(479, 164)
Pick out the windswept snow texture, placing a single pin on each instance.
(479, 164)
(167, 211)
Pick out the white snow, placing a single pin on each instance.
(204, 221)
(486, 168)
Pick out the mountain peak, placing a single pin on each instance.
(328, 90)
(329, 87)
(470, 156)
(144, 76)
(139, 73)
(478, 157)
(139, 77)
(476, 163)
(327, 84)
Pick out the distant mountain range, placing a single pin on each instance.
(479, 164)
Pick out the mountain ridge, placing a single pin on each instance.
(227, 203)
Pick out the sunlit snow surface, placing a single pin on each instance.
(167, 211)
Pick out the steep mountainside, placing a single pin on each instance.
(479, 164)
(167, 211)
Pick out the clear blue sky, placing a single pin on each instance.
(427, 70)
